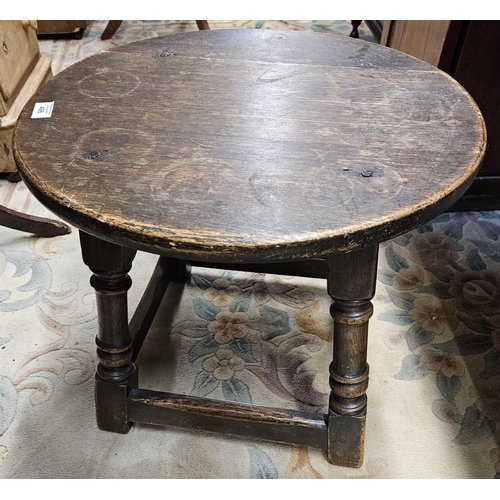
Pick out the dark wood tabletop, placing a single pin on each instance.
(249, 145)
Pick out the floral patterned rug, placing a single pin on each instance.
(434, 349)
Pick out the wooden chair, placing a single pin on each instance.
(376, 27)
(38, 226)
(112, 26)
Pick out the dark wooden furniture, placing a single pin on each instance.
(376, 27)
(39, 226)
(291, 152)
(113, 26)
(73, 29)
(469, 51)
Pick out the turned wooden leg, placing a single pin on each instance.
(116, 373)
(355, 25)
(351, 285)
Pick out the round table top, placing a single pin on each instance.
(250, 145)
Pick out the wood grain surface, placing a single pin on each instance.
(228, 418)
(250, 145)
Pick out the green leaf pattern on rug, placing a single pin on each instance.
(241, 303)
(204, 384)
(417, 335)
(205, 309)
(261, 466)
(395, 260)
(396, 317)
(227, 344)
(411, 369)
(449, 386)
(236, 390)
(401, 299)
(272, 322)
(195, 329)
(474, 260)
(243, 349)
(203, 347)
(386, 277)
(474, 426)
(446, 303)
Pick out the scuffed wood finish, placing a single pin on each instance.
(271, 424)
(289, 152)
(251, 145)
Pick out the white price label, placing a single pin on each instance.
(43, 110)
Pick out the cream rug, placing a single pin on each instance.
(434, 350)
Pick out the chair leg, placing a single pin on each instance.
(38, 226)
(110, 29)
(202, 25)
(355, 25)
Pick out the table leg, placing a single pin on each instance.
(116, 373)
(351, 285)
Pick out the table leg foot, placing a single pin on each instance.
(346, 436)
(111, 403)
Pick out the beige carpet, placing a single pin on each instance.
(434, 350)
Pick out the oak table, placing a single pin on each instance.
(286, 152)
